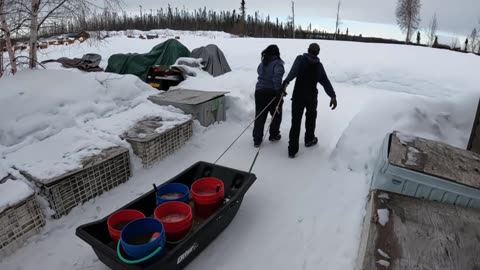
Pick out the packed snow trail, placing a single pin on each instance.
(302, 213)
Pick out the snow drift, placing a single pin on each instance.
(36, 105)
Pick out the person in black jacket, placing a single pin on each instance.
(309, 71)
(268, 94)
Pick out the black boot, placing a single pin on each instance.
(292, 152)
(312, 142)
(275, 138)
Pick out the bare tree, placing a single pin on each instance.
(7, 8)
(1, 54)
(455, 44)
(44, 12)
(293, 18)
(408, 16)
(432, 29)
(474, 39)
(338, 22)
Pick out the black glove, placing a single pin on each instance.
(280, 93)
(283, 89)
(333, 103)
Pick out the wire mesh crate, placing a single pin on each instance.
(151, 146)
(100, 173)
(18, 223)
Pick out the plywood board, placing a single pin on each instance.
(435, 158)
(186, 96)
(419, 234)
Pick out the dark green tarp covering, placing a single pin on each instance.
(165, 53)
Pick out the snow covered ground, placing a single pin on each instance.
(304, 213)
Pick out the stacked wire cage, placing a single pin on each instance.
(19, 222)
(99, 174)
(151, 146)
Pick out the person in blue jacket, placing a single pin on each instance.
(268, 94)
(309, 71)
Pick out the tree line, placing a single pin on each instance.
(31, 19)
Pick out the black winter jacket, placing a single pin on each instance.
(309, 71)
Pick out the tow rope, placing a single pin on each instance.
(264, 135)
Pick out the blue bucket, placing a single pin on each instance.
(181, 190)
(137, 243)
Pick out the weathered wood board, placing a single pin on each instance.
(474, 142)
(186, 96)
(435, 158)
(419, 234)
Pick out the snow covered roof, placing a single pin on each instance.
(13, 192)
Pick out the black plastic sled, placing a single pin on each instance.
(202, 233)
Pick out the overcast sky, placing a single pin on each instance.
(455, 16)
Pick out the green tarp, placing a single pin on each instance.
(165, 53)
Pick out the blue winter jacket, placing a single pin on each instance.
(271, 75)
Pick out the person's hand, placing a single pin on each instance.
(333, 103)
(281, 93)
(283, 90)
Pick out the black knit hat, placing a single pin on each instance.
(314, 49)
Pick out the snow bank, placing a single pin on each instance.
(13, 192)
(446, 120)
(36, 105)
(50, 119)
(58, 154)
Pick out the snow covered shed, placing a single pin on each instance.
(20, 215)
(206, 107)
(474, 142)
(165, 53)
(429, 170)
(401, 232)
(213, 60)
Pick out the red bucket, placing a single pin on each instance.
(176, 218)
(120, 219)
(207, 193)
